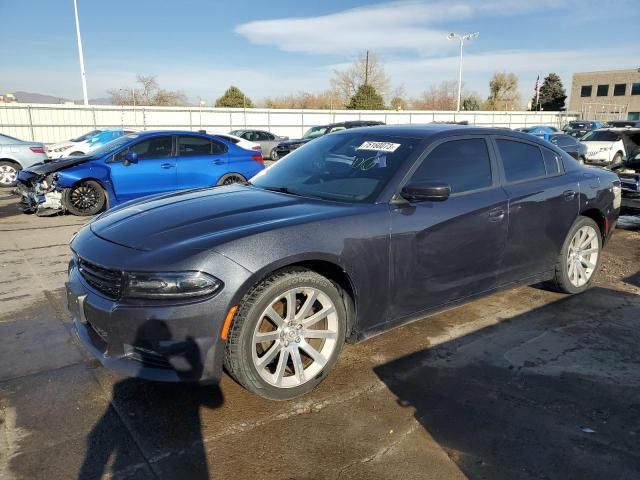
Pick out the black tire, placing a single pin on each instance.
(231, 178)
(561, 282)
(239, 347)
(84, 199)
(9, 173)
(76, 154)
(273, 155)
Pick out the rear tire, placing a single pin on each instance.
(299, 346)
(84, 199)
(579, 258)
(9, 173)
(273, 155)
(231, 178)
(76, 154)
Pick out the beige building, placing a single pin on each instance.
(606, 95)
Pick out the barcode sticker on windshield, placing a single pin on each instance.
(379, 146)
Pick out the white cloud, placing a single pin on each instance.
(400, 25)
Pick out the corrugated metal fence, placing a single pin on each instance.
(53, 123)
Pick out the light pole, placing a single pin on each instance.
(461, 38)
(81, 55)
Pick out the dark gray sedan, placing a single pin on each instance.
(348, 236)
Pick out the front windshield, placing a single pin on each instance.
(315, 132)
(112, 146)
(601, 136)
(82, 138)
(352, 167)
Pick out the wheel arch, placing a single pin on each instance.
(105, 189)
(11, 160)
(598, 217)
(328, 268)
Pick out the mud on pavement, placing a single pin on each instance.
(521, 384)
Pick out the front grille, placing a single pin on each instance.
(104, 280)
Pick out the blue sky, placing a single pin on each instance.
(279, 47)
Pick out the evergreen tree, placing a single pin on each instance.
(471, 103)
(366, 98)
(234, 98)
(552, 94)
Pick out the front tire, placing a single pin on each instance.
(287, 334)
(273, 155)
(579, 258)
(9, 173)
(84, 199)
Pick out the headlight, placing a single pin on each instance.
(170, 284)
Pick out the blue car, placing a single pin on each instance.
(542, 131)
(134, 166)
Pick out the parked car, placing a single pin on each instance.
(542, 131)
(623, 123)
(288, 146)
(267, 140)
(351, 235)
(239, 142)
(85, 143)
(15, 155)
(579, 128)
(605, 147)
(629, 172)
(570, 145)
(133, 166)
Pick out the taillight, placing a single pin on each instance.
(258, 158)
(37, 149)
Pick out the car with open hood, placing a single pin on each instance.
(288, 146)
(133, 166)
(629, 171)
(348, 236)
(607, 147)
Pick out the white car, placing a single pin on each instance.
(604, 146)
(85, 143)
(240, 142)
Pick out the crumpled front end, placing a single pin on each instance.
(40, 194)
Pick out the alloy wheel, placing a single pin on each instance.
(8, 175)
(84, 197)
(295, 337)
(582, 255)
(232, 179)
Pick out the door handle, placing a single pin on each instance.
(218, 162)
(569, 194)
(167, 165)
(496, 215)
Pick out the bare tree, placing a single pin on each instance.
(438, 97)
(321, 101)
(148, 93)
(367, 68)
(503, 92)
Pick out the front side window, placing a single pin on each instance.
(619, 89)
(585, 91)
(157, 147)
(343, 167)
(463, 164)
(190, 146)
(521, 161)
(603, 90)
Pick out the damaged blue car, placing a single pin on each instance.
(134, 166)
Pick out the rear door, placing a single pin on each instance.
(449, 250)
(153, 172)
(543, 204)
(201, 161)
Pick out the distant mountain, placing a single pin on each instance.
(29, 97)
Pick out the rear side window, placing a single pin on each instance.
(551, 162)
(521, 161)
(191, 146)
(463, 164)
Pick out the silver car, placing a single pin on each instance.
(15, 155)
(267, 140)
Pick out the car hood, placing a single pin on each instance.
(47, 167)
(204, 218)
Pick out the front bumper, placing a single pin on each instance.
(631, 202)
(598, 159)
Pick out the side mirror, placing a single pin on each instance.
(421, 191)
(129, 158)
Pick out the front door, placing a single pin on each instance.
(153, 172)
(449, 250)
